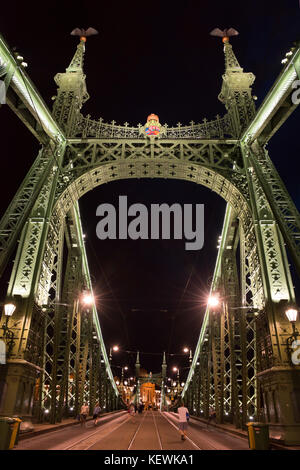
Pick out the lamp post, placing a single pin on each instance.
(176, 369)
(113, 348)
(292, 314)
(8, 334)
(188, 350)
(123, 368)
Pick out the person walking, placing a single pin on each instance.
(131, 411)
(84, 411)
(96, 413)
(212, 416)
(184, 416)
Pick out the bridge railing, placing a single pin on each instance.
(219, 128)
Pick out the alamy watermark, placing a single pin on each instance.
(187, 222)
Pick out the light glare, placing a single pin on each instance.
(213, 301)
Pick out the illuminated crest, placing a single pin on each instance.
(152, 128)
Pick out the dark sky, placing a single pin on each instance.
(150, 57)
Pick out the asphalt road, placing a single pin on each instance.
(151, 430)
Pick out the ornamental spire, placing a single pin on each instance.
(231, 62)
(164, 367)
(137, 365)
(236, 93)
(76, 64)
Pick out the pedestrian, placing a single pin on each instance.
(96, 413)
(131, 411)
(212, 416)
(84, 411)
(184, 416)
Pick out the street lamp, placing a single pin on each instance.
(87, 299)
(9, 309)
(122, 378)
(213, 301)
(186, 350)
(115, 349)
(176, 369)
(8, 334)
(292, 314)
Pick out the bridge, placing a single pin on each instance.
(244, 366)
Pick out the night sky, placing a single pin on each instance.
(150, 57)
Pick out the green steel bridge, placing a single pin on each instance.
(242, 366)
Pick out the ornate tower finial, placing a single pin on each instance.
(72, 92)
(137, 365)
(164, 366)
(236, 91)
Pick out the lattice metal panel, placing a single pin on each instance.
(18, 210)
(68, 312)
(282, 205)
(52, 267)
(227, 394)
(252, 296)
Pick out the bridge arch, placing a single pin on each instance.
(159, 169)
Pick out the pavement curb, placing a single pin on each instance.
(275, 444)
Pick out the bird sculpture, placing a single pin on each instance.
(225, 34)
(84, 33)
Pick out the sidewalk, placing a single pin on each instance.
(231, 429)
(42, 428)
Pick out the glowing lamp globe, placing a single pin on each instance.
(9, 309)
(87, 299)
(213, 301)
(291, 314)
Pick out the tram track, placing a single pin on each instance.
(74, 444)
(157, 431)
(136, 432)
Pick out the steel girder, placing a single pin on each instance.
(25, 100)
(277, 105)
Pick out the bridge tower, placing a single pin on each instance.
(163, 382)
(55, 361)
